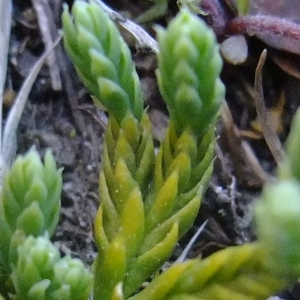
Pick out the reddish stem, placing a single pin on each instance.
(274, 31)
(252, 25)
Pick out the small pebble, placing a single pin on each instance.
(235, 49)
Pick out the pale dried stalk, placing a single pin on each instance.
(5, 24)
(183, 255)
(241, 149)
(41, 7)
(270, 135)
(144, 40)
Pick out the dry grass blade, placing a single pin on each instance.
(270, 135)
(42, 7)
(243, 156)
(14, 116)
(5, 24)
(188, 247)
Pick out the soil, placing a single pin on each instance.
(66, 120)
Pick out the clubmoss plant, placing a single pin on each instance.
(30, 201)
(161, 193)
(40, 273)
(103, 60)
(30, 266)
(282, 200)
(148, 200)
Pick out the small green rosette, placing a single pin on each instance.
(41, 274)
(30, 202)
(278, 222)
